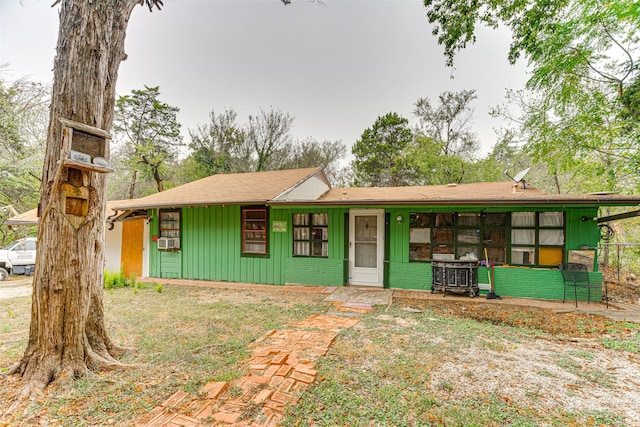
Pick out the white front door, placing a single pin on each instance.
(366, 247)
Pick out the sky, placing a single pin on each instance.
(335, 66)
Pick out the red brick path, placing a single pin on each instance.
(280, 369)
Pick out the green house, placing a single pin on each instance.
(291, 227)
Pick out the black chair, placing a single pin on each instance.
(576, 275)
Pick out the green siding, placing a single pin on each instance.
(581, 233)
(170, 265)
(165, 264)
(315, 271)
(211, 244)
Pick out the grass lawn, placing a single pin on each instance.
(403, 365)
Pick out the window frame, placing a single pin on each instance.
(504, 230)
(310, 240)
(489, 244)
(536, 246)
(265, 230)
(172, 232)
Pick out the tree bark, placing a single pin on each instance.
(67, 335)
(132, 186)
(158, 179)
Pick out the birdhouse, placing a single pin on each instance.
(89, 147)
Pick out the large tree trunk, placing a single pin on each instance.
(67, 334)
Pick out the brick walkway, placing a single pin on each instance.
(279, 370)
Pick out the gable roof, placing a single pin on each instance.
(228, 189)
(504, 193)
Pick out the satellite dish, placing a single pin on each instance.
(520, 176)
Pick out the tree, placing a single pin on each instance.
(325, 154)
(381, 153)
(582, 39)
(445, 145)
(151, 134)
(583, 56)
(222, 146)
(449, 122)
(263, 143)
(23, 116)
(67, 335)
(269, 135)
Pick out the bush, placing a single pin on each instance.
(117, 279)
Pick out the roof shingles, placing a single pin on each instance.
(252, 187)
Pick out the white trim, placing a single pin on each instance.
(309, 188)
(145, 249)
(364, 276)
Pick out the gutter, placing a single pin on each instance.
(458, 202)
(189, 204)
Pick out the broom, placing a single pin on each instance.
(491, 294)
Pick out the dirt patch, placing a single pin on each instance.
(622, 286)
(563, 361)
(563, 324)
(285, 298)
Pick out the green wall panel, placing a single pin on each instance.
(170, 264)
(211, 244)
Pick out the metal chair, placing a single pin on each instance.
(576, 275)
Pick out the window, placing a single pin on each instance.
(495, 237)
(311, 235)
(170, 224)
(420, 224)
(443, 236)
(518, 238)
(254, 230)
(468, 242)
(537, 238)
(523, 238)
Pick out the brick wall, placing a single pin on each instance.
(314, 271)
(517, 282)
(409, 275)
(540, 283)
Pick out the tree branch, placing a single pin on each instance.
(152, 3)
(626, 52)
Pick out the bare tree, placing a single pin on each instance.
(449, 123)
(270, 134)
(326, 154)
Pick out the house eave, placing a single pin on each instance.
(132, 208)
(462, 202)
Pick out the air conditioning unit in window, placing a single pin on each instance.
(167, 243)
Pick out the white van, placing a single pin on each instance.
(18, 258)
